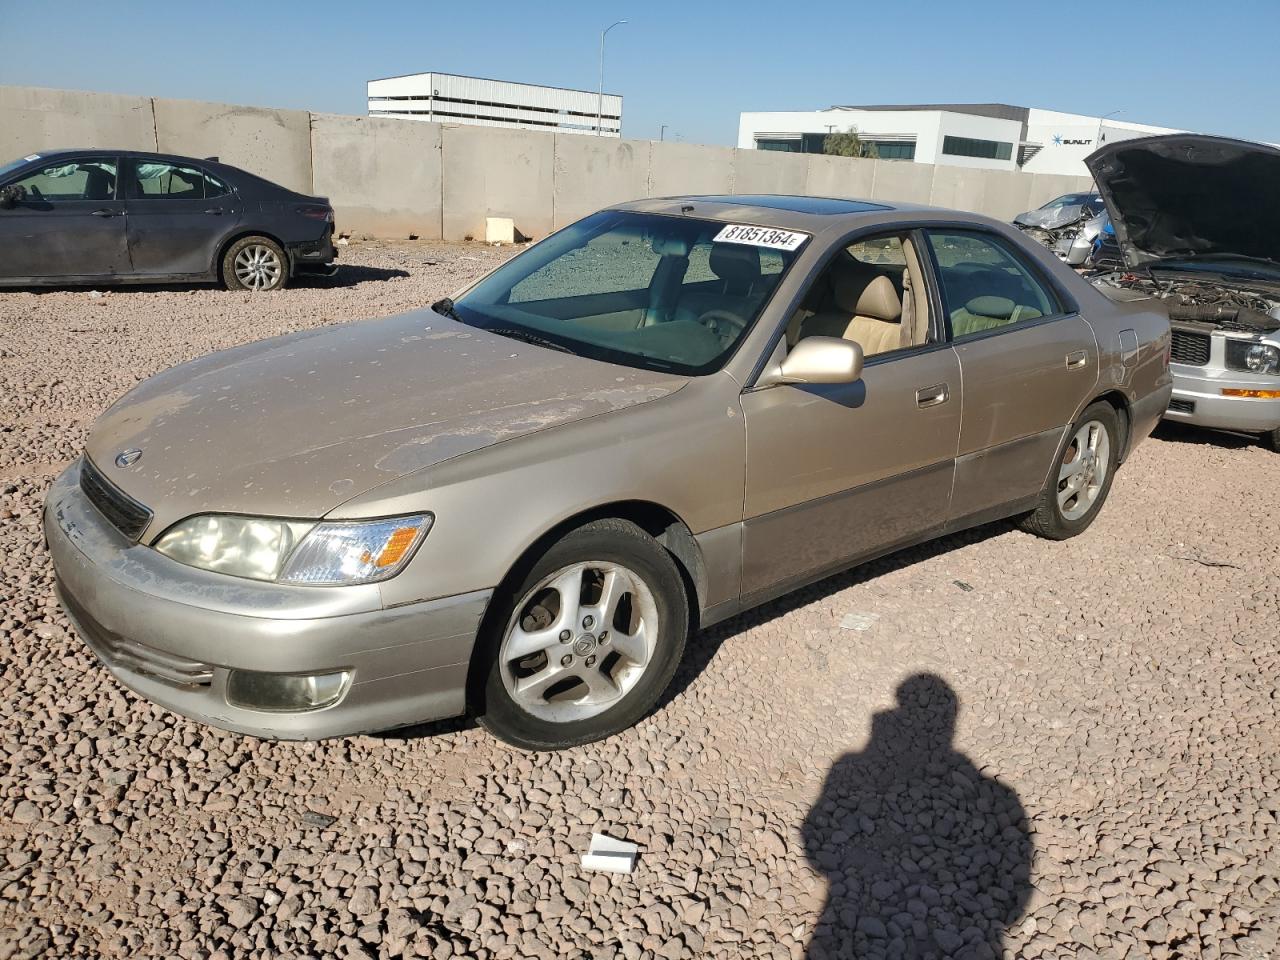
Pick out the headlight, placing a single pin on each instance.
(357, 552)
(292, 551)
(1262, 358)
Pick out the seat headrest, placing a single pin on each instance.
(848, 281)
(666, 245)
(880, 301)
(737, 265)
(997, 308)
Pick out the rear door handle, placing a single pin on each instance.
(216, 211)
(1078, 359)
(932, 396)
(104, 213)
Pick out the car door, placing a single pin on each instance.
(838, 473)
(179, 214)
(1028, 362)
(69, 222)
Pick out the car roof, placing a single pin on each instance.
(107, 152)
(809, 214)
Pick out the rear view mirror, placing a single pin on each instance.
(817, 360)
(9, 196)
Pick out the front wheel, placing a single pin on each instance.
(1079, 482)
(587, 641)
(1272, 439)
(254, 263)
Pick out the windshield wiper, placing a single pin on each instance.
(444, 306)
(525, 336)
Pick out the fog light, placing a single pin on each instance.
(280, 692)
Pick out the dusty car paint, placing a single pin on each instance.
(754, 488)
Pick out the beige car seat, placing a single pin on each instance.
(865, 308)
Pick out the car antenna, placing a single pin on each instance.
(213, 159)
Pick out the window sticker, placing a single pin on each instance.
(760, 237)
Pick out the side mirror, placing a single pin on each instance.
(9, 196)
(817, 360)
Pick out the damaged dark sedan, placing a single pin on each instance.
(1197, 220)
(121, 216)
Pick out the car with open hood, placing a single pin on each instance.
(521, 501)
(1197, 221)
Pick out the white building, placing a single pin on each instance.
(447, 98)
(990, 135)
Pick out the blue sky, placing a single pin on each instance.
(1209, 67)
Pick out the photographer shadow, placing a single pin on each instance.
(925, 856)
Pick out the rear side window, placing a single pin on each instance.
(170, 181)
(985, 285)
(71, 180)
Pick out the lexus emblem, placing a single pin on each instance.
(127, 458)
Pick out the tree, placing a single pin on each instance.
(848, 144)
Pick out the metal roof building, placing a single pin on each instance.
(449, 98)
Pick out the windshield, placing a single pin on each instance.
(662, 293)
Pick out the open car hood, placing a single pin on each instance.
(1186, 196)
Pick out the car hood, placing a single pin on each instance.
(1188, 197)
(1052, 218)
(293, 426)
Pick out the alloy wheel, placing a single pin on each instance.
(579, 641)
(258, 267)
(1083, 472)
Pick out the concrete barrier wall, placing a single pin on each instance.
(275, 144)
(491, 172)
(397, 178)
(383, 176)
(34, 119)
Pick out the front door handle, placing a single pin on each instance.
(1078, 359)
(104, 213)
(216, 211)
(932, 396)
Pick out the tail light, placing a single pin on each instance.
(317, 212)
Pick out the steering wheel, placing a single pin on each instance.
(724, 324)
(35, 193)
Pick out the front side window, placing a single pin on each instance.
(642, 290)
(168, 181)
(72, 180)
(872, 293)
(985, 286)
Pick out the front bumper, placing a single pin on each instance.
(1197, 399)
(173, 633)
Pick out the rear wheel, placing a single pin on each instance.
(254, 263)
(1079, 483)
(586, 642)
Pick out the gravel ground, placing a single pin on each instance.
(992, 745)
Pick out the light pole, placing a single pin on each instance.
(662, 134)
(600, 89)
(1098, 142)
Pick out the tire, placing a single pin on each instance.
(1272, 439)
(533, 685)
(1072, 498)
(256, 264)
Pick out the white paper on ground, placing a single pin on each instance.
(608, 854)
